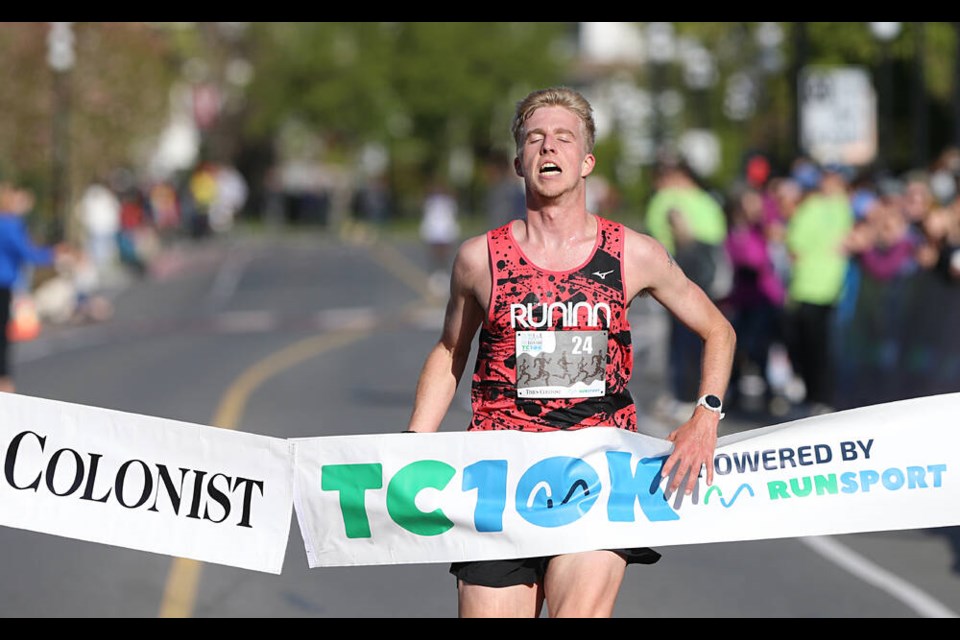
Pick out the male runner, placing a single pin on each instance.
(566, 276)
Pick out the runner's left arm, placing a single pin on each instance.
(695, 440)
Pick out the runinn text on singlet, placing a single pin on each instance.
(538, 316)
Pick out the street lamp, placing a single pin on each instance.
(885, 33)
(660, 52)
(698, 143)
(60, 57)
(700, 75)
(769, 37)
(956, 87)
(920, 118)
(800, 53)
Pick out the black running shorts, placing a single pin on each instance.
(507, 573)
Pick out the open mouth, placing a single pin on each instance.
(549, 167)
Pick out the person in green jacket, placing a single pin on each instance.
(691, 224)
(677, 189)
(815, 241)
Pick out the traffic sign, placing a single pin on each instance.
(838, 115)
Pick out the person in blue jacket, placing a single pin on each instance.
(17, 250)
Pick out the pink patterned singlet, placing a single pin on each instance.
(555, 349)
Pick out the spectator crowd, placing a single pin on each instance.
(844, 284)
(119, 224)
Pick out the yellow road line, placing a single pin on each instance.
(400, 267)
(179, 596)
(184, 577)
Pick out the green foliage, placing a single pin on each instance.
(423, 89)
(426, 92)
(117, 96)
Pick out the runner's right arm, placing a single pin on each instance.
(446, 362)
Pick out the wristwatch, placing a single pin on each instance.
(712, 403)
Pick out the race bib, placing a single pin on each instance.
(561, 364)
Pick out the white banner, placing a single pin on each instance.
(145, 483)
(442, 497)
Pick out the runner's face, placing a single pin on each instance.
(553, 159)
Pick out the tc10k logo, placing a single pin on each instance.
(551, 493)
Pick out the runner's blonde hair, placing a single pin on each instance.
(565, 97)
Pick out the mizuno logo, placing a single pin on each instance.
(602, 274)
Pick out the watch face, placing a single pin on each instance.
(713, 402)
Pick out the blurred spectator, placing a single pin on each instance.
(201, 192)
(99, 213)
(165, 207)
(881, 239)
(807, 174)
(757, 170)
(505, 198)
(917, 199)
(677, 188)
(862, 198)
(230, 196)
(440, 230)
(137, 238)
(89, 303)
(783, 195)
(372, 201)
(815, 238)
(941, 249)
(274, 200)
(755, 303)
(944, 175)
(17, 251)
(882, 250)
(691, 225)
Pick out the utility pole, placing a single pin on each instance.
(800, 52)
(60, 57)
(921, 141)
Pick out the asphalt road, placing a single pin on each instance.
(180, 340)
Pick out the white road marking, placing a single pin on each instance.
(356, 318)
(247, 321)
(226, 280)
(844, 557)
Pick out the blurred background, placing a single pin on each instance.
(130, 137)
(321, 111)
(262, 217)
(134, 136)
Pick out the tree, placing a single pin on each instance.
(425, 91)
(118, 98)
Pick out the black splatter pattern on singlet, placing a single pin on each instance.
(516, 280)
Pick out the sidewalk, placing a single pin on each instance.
(62, 323)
